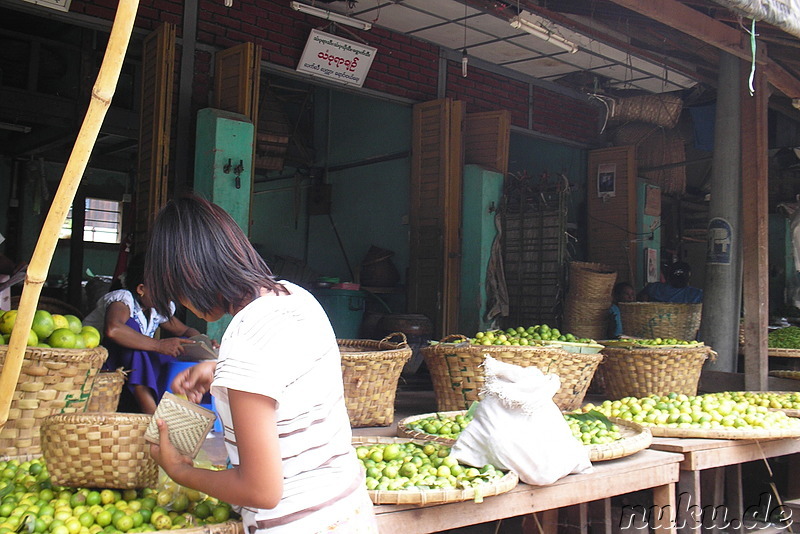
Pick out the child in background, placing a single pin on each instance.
(128, 322)
(622, 292)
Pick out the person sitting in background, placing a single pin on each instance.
(622, 292)
(128, 322)
(676, 289)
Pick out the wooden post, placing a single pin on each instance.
(755, 239)
(102, 93)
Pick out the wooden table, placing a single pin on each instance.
(727, 454)
(647, 469)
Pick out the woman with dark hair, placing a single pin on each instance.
(128, 321)
(277, 383)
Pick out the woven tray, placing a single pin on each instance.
(791, 375)
(436, 496)
(783, 353)
(635, 437)
(716, 433)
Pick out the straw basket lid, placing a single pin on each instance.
(783, 353)
(100, 450)
(634, 438)
(725, 433)
(433, 496)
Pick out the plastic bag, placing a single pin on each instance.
(518, 427)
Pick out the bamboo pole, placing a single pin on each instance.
(102, 92)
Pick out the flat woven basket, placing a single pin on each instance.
(433, 496)
(98, 450)
(724, 433)
(51, 381)
(650, 320)
(634, 436)
(370, 372)
(457, 372)
(783, 353)
(106, 391)
(642, 371)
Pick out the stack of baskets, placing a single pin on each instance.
(640, 371)
(370, 372)
(650, 320)
(457, 373)
(588, 299)
(51, 381)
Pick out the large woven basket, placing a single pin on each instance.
(642, 371)
(51, 381)
(457, 372)
(588, 299)
(106, 391)
(370, 372)
(650, 320)
(98, 450)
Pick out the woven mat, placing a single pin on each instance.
(433, 496)
(634, 436)
(188, 424)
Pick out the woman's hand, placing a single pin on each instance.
(172, 346)
(195, 381)
(167, 456)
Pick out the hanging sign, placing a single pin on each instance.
(58, 5)
(336, 59)
(719, 242)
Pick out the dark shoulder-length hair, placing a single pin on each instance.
(198, 254)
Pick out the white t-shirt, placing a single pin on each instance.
(283, 347)
(147, 325)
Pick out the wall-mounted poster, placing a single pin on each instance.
(606, 180)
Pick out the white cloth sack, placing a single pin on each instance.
(518, 427)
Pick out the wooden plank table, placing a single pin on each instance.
(726, 457)
(647, 469)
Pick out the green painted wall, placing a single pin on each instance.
(369, 202)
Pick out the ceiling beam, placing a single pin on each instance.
(730, 40)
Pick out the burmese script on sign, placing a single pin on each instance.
(336, 59)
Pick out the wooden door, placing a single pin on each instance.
(612, 215)
(155, 121)
(237, 75)
(435, 212)
(486, 139)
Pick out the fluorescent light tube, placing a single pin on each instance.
(543, 33)
(14, 127)
(331, 16)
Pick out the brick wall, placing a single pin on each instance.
(403, 67)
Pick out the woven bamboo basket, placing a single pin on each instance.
(588, 299)
(98, 450)
(106, 391)
(642, 371)
(370, 372)
(433, 496)
(650, 320)
(51, 381)
(661, 109)
(634, 436)
(457, 373)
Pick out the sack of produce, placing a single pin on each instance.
(507, 428)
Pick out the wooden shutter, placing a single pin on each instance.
(486, 139)
(435, 212)
(612, 220)
(237, 75)
(158, 60)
